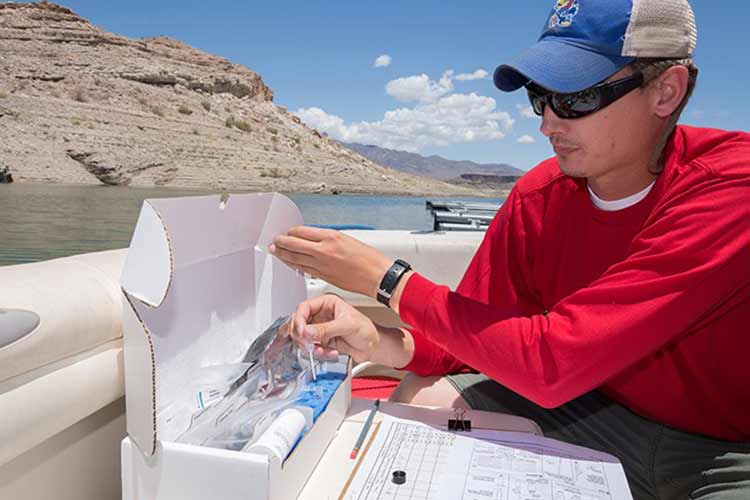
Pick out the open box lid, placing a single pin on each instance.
(199, 286)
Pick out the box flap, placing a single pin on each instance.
(149, 259)
(202, 284)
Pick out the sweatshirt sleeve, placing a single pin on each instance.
(506, 290)
(691, 259)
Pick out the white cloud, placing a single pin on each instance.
(438, 117)
(420, 88)
(479, 74)
(526, 139)
(382, 61)
(457, 118)
(526, 111)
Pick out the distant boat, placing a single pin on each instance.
(461, 216)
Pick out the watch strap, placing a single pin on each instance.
(390, 280)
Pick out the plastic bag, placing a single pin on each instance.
(240, 401)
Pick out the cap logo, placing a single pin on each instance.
(564, 12)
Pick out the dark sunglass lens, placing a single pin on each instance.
(576, 105)
(586, 101)
(562, 105)
(537, 102)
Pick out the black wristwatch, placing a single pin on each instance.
(390, 280)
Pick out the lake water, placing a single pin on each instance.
(46, 221)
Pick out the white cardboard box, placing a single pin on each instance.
(198, 285)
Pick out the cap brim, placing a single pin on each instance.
(558, 65)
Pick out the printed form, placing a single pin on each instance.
(481, 465)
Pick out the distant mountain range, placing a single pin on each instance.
(433, 166)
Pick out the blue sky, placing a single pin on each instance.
(319, 58)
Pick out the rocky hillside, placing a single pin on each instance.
(81, 105)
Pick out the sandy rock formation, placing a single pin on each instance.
(81, 105)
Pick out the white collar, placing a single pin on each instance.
(611, 206)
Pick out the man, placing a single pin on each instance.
(610, 298)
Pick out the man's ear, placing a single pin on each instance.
(669, 90)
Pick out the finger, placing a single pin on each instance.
(309, 233)
(293, 259)
(304, 316)
(295, 330)
(326, 354)
(299, 320)
(293, 244)
(288, 327)
(322, 306)
(324, 333)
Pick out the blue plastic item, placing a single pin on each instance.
(316, 394)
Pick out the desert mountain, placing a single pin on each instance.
(431, 166)
(81, 105)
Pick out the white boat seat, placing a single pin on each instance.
(77, 303)
(60, 346)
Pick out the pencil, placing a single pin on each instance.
(366, 428)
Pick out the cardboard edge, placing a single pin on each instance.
(134, 351)
(150, 288)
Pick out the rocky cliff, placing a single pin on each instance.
(81, 105)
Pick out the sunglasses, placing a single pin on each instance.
(582, 103)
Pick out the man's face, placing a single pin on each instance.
(614, 138)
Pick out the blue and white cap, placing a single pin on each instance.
(585, 41)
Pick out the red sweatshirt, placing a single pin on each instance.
(651, 303)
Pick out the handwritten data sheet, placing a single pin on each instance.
(481, 465)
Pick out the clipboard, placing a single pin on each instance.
(412, 460)
(336, 470)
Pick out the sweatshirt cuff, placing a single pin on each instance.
(415, 299)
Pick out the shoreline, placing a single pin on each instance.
(471, 193)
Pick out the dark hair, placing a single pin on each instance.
(652, 68)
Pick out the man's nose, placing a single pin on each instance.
(551, 123)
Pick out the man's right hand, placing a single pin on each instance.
(334, 327)
(337, 327)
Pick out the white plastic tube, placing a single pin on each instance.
(281, 435)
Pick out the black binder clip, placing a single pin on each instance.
(459, 424)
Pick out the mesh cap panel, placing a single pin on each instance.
(661, 28)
